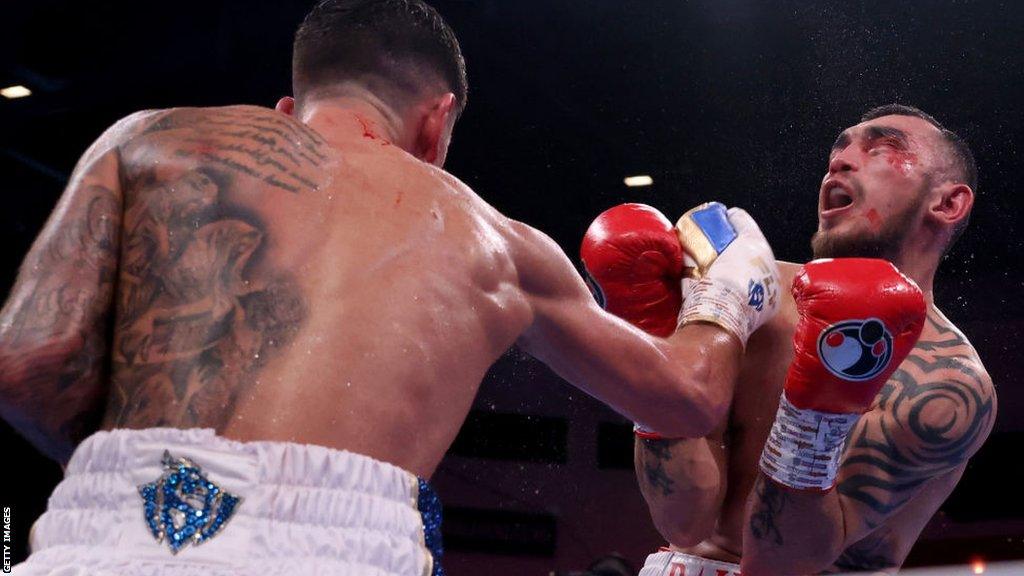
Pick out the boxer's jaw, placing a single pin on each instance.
(860, 238)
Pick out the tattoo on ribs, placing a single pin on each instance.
(194, 323)
(769, 501)
(933, 400)
(658, 452)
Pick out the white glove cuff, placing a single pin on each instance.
(718, 303)
(805, 446)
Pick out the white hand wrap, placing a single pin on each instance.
(805, 446)
(708, 300)
(737, 288)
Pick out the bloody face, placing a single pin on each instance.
(872, 199)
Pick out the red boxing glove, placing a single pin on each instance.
(859, 319)
(634, 266)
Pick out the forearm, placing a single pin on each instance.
(684, 390)
(709, 360)
(682, 482)
(679, 387)
(51, 392)
(666, 385)
(791, 531)
(52, 356)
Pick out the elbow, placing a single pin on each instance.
(806, 562)
(815, 555)
(684, 531)
(687, 517)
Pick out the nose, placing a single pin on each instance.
(843, 161)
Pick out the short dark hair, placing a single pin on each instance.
(964, 167)
(397, 48)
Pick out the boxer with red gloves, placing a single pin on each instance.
(858, 406)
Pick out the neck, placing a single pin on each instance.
(920, 267)
(339, 119)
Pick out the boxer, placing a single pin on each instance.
(279, 319)
(842, 364)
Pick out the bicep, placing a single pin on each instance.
(578, 340)
(924, 427)
(569, 331)
(69, 271)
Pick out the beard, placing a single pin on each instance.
(886, 242)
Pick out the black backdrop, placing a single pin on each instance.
(735, 100)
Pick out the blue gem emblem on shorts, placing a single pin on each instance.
(183, 506)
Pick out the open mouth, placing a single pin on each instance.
(835, 199)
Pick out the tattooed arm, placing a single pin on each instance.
(683, 482)
(931, 416)
(53, 328)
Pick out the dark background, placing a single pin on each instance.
(734, 100)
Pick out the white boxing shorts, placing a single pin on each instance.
(670, 563)
(164, 501)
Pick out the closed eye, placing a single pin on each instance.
(886, 143)
(885, 136)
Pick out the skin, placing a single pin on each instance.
(905, 455)
(310, 275)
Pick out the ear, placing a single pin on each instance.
(952, 204)
(286, 105)
(435, 130)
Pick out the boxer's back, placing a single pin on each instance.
(274, 286)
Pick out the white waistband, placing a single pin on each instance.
(670, 563)
(298, 503)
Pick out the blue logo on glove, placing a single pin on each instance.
(184, 506)
(713, 221)
(855, 350)
(755, 290)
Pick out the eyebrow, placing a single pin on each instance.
(842, 141)
(876, 132)
(871, 133)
